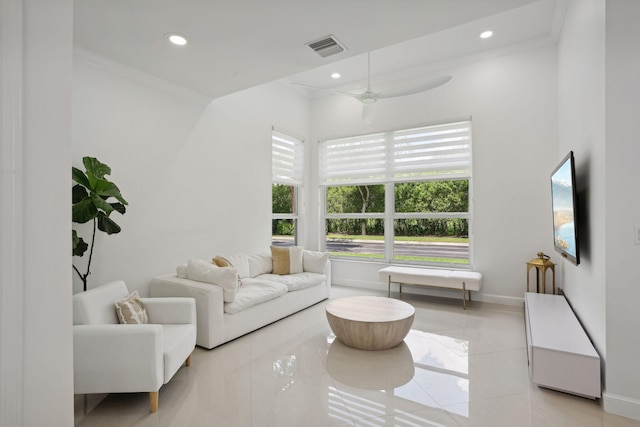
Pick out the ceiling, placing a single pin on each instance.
(235, 45)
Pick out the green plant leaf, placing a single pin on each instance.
(93, 181)
(101, 204)
(74, 239)
(78, 176)
(96, 167)
(79, 245)
(107, 225)
(78, 192)
(109, 189)
(119, 207)
(83, 211)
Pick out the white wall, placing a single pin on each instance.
(622, 206)
(598, 104)
(581, 129)
(197, 177)
(512, 102)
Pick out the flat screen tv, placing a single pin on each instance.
(564, 202)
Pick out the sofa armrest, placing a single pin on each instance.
(170, 310)
(117, 358)
(209, 304)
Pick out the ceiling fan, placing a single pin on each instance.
(369, 97)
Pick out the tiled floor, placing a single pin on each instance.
(456, 368)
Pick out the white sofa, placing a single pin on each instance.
(261, 298)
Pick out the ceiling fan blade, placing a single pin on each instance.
(431, 84)
(352, 95)
(367, 113)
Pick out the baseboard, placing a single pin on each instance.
(420, 290)
(378, 286)
(621, 405)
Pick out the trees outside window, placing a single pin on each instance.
(284, 202)
(399, 196)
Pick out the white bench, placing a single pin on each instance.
(466, 281)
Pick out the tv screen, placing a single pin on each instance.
(564, 201)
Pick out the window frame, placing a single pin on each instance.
(390, 215)
(289, 172)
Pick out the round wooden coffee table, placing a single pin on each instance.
(370, 323)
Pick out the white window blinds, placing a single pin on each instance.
(361, 159)
(287, 159)
(424, 153)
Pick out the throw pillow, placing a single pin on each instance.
(286, 260)
(241, 263)
(225, 277)
(181, 271)
(221, 262)
(130, 310)
(314, 262)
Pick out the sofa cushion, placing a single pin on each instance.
(259, 264)
(131, 310)
(241, 263)
(314, 262)
(181, 271)
(255, 291)
(286, 260)
(295, 282)
(225, 277)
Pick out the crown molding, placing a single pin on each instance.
(105, 64)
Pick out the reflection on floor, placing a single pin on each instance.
(455, 368)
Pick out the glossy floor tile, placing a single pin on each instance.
(455, 368)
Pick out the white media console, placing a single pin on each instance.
(561, 356)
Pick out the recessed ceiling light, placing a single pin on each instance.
(177, 39)
(335, 75)
(486, 34)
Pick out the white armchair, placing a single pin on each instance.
(112, 358)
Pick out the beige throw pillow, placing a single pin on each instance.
(286, 260)
(221, 262)
(130, 310)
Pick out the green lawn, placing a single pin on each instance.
(401, 238)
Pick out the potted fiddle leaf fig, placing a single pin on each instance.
(94, 198)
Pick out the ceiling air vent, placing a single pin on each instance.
(327, 46)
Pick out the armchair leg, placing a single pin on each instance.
(153, 398)
(188, 361)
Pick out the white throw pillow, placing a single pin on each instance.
(260, 264)
(225, 277)
(314, 262)
(181, 271)
(241, 263)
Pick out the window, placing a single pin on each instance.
(287, 159)
(399, 196)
